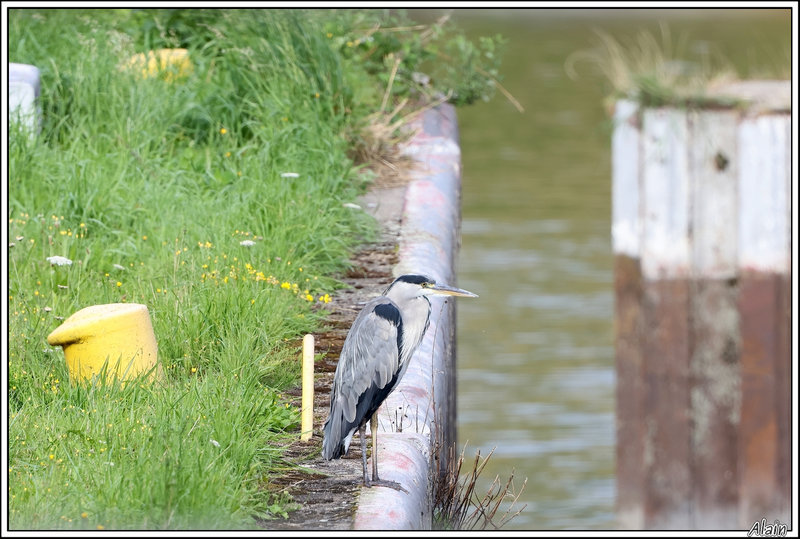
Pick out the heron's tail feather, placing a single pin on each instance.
(334, 445)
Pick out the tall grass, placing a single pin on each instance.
(150, 186)
(656, 69)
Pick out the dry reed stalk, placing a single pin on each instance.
(457, 505)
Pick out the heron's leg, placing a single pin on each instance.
(373, 426)
(377, 482)
(362, 432)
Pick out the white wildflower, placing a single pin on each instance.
(290, 175)
(59, 261)
(420, 78)
(247, 243)
(213, 442)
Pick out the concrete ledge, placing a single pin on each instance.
(404, 458)
(422, 409)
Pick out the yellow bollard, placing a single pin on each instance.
(117, 334)
(173, 63)
(307, 411)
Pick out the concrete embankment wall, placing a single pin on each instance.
(418, 420)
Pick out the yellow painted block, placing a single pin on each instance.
(120, 334)
(172, 63)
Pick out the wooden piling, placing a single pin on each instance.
(764, 307)
(701, 227)
(630, 391)
(715, 383)
(307, 410)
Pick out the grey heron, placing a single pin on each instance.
(374, 357)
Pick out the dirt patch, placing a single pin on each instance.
(326, 492)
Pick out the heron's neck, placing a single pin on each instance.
(415, 314)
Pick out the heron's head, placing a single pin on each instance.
(408, 287)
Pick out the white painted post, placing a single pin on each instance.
(625, 231)
(23, 96)
(765, 225)
(665, 195)
(714, 198)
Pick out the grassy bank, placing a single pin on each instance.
(217, 196)
(150, 186)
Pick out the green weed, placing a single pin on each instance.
(659, 70)
(217, 201)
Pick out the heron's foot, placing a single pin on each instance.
(385, 483)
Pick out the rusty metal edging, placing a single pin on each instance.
(422, 408)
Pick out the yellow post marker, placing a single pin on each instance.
(172, 64)
(117, 334)
(307, 411)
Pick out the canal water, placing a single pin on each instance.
(536, 352)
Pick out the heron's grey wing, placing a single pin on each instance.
(370, 355)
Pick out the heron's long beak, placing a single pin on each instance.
(444, 290)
